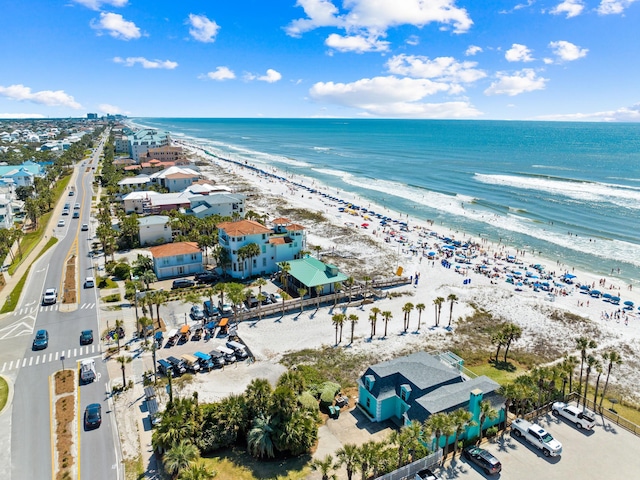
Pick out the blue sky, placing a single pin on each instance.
(467, 59)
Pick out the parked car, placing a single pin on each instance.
(267, 299)
(86, 337)
(210, 310)
(276, 297)
(483, 459)
(92, 416)
(581, 418)
(87, 371)
(226, 309)
(41, 341)
(252, 302)
(206, 277)
(426, 474)
(182, 283)
(50, 296)
(197, 313)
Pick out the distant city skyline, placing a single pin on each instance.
(446, 59)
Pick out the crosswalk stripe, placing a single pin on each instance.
(69, 353)
(56, 356)
(11, 365)
(74, 352)
(37, 361)
(24, 362)
(30, 361)
(4, 366)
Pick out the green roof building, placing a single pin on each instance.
(309, 273)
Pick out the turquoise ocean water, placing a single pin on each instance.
(569, 190)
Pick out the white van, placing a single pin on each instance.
(87, 370)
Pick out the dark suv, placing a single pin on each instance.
(206, 277)
(481, 457)
(182, 283)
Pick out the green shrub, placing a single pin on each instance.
(114, 297)
(109, 266)
(121, 271)
(308, 401)
(492, 431)
(329, 391)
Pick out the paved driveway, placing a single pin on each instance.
(607, 452)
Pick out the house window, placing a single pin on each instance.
(194, 257)
(368, 402)
(179, 258)
(405, 392)
(369, 380)
(264, 236)
(264, 262)
(165, 261)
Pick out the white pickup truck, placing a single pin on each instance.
(581, 418)
(537, 436)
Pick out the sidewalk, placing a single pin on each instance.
(12, 280)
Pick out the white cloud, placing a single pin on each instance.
(567, 51)
(445, 69)
(106, 108)
(21, 115)
(523, 81)
(472, 50)
(356, 43)
(221, 73)
(392, 97)
(519, 6)
(97, 4)
(572, 8)
(413, 40)
(371, 19)
(612, 7)
(131, 61)
(202, 29)
(271, 76)
(51, 98)
(116, 26)
(623, 114)
(518, 53)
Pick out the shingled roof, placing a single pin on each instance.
(243, 227)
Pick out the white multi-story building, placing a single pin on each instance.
(282, 243)
(141, 141)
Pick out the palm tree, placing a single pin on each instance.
(353, 318)
(498, 338)
(252, 250)
(583, 343)
(437, 423)
(448, 430)
(591, 363)
(148, 277)
(285, 296)
(375, 311)
(350, 281)
(436, 304)
(318, 290)
(336, 286)
(159, 299)
(366, 457)
(337, 320)
(420, 307)
(302, 292)
(260, 282)
(348, 456)
(197, 470)
(285, 268)
(259, 441)
(453, 299)
(119, 324)
(123, 360)
(324, 466)
(372, 321)
(512, 333)
(179, 457)
(487, 412)
(614, 358)
(461, 419)
(145, 323)
(569, 364)
(406, 308)
(387, 315)
(599, 369)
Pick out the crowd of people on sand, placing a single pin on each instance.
(466, 256)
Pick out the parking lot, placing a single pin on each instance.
(607, 452)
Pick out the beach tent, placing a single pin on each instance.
(584, 287)
(629, 303)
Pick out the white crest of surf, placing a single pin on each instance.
(619, 195)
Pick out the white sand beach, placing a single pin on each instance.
(362, 251)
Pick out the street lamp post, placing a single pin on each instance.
(62, 358)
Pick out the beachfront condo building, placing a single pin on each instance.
(141, 141)
(282, 243)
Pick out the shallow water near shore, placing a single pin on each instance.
(568, 190)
